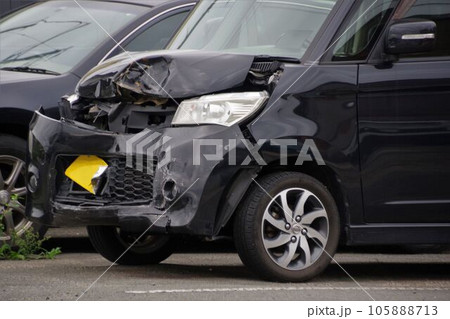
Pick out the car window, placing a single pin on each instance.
(202, 33)
(57, 35)
(361, 29)
(158, 35)
(257, 27)
(437, 11)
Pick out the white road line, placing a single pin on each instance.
(134, 243)
(258, 289)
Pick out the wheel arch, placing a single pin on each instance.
(15, 121)
(323, 174)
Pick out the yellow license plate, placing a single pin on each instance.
(84, 169)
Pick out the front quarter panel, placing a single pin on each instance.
(317, 103)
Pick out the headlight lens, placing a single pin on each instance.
(221, 109)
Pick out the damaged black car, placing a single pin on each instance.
(292, 126)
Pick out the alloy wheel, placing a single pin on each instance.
(295, 229)
(12, 182)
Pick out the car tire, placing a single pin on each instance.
(12, 157)
(111, 243)
(269, 239)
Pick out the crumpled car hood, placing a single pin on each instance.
(165, 75)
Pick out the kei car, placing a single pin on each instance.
(45, 49)
(292, 126)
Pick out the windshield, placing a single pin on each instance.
(257, 27)
(57, 35)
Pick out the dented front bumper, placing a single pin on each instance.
(174, 195)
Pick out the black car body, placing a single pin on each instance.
(363, 132)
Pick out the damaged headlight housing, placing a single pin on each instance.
(221, 109)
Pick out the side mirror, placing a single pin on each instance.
(410, 36)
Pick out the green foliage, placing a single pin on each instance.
(14, 199)
(52, 253)
(27, 246)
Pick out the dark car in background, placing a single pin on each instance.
(291, 125)
(47, 47)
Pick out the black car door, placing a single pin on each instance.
(404, 126)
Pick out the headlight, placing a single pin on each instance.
(221, 109)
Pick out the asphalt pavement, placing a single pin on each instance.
(213, 271)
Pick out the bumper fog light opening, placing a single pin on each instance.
(170, 190)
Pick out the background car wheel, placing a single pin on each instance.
(284, 226)
(12, 181)
(111, 242)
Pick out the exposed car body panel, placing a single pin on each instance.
(165, 75)
(202, 186)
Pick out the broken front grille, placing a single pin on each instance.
(122, 185)
(129, 184)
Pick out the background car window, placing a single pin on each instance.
(57, 35)
(158, 35)
(361, 29)
(437, 11)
